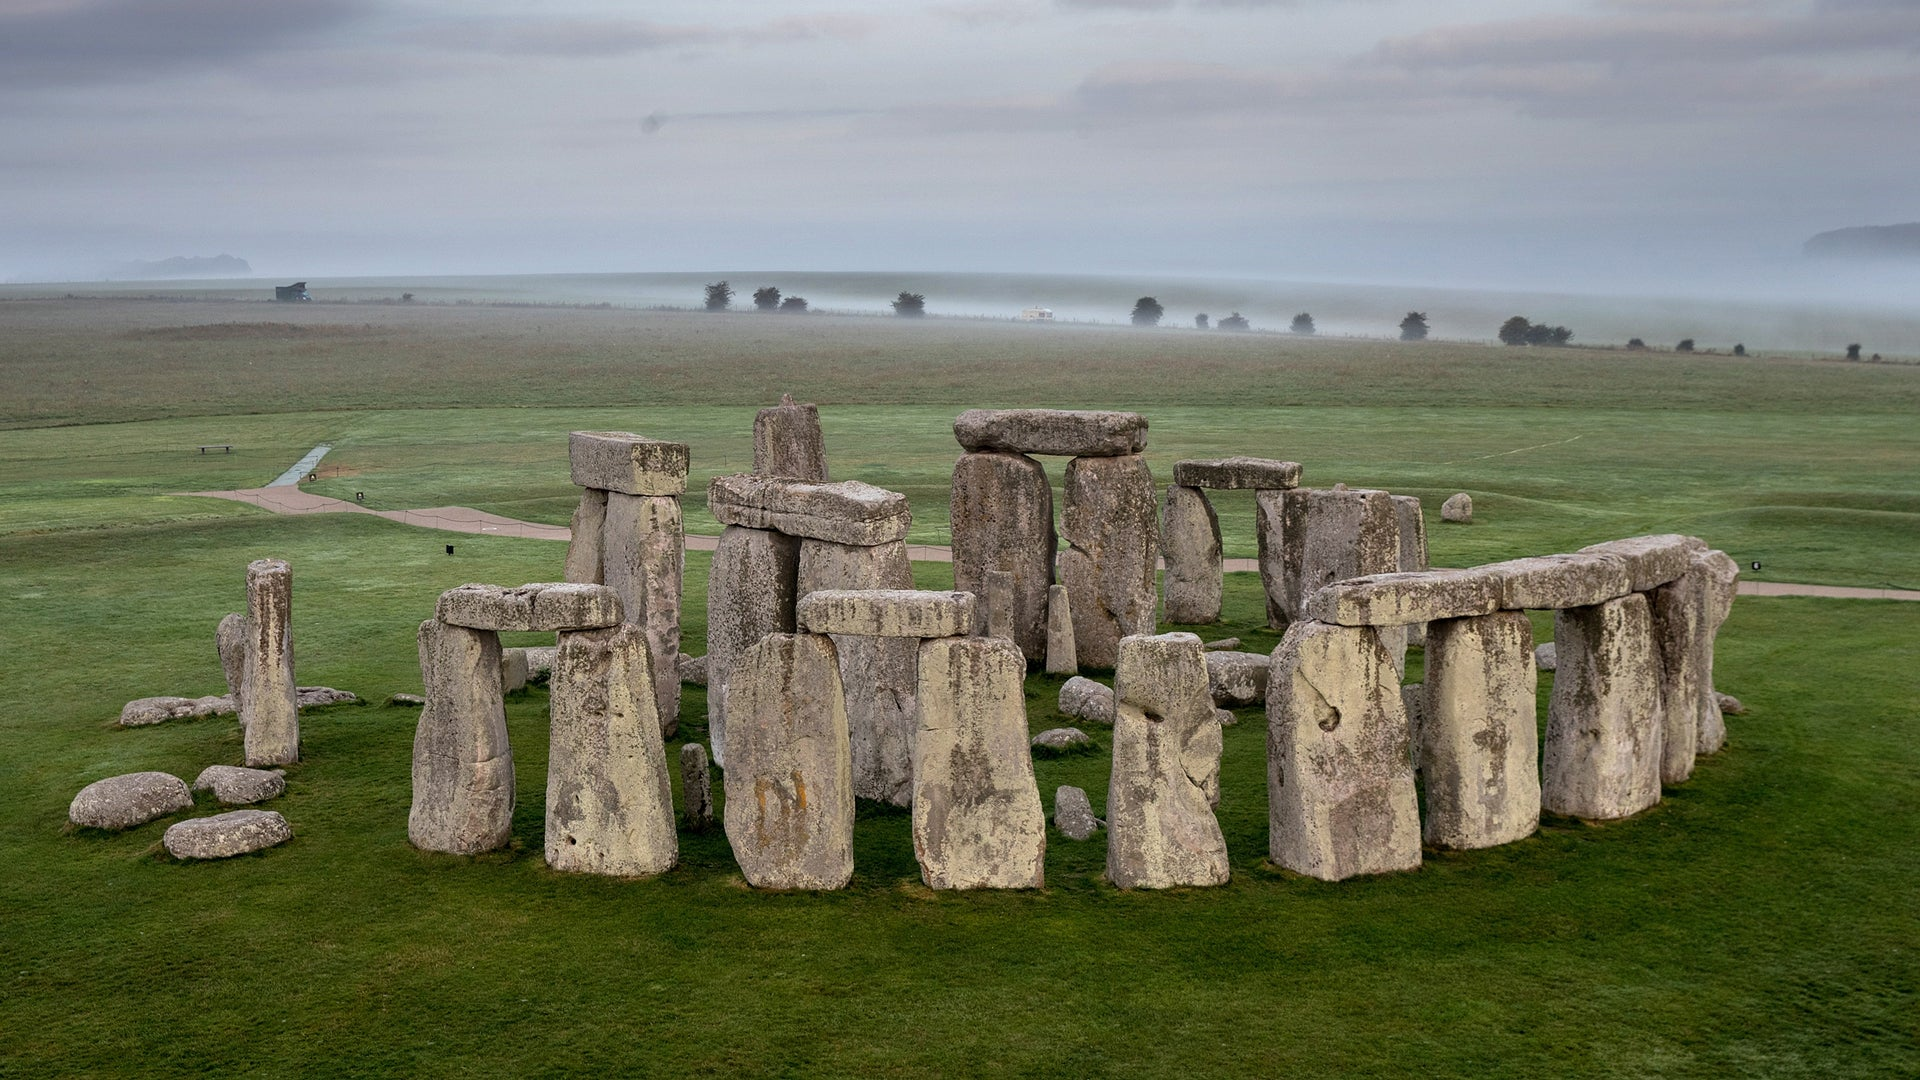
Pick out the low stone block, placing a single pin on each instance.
(513, 670)
(1057, 432)
(1225, 644)
(977, 818)
(223, 836)
(1084, 699)
(544, 606)
(628, 463)
(121, 802)
(1406, 598)
(1601, 758)
(1237, 679)
(1073, 813)
(1458, 509)
(1545, 656)
(693, 669)
(787, 442)
(1651, 561)
(235, 786)
(848, 512)
(1554, 582)
(141, 712)
(1238, 474)
(902, 613)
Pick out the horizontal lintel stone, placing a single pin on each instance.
(542, 606)
(901, 613)
(1405, 598)
(1652, 561)
(848, 512)
(1238, 474)
(627, 463)
(1054, 432)
(1557, 582)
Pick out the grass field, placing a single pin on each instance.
(1761, 921)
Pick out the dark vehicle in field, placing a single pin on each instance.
(293, 294)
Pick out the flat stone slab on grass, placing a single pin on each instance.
(1237, 679)
(236, 786)
(904, 613)
(1062, 739)
(1651, 561)
(627, 463)
(1556, 582)
(141, 712)
(848, 512)
(1055, 432)
(223, 836)
(541, 606)
(1238, 474)
(1402, 599)
(121, 802)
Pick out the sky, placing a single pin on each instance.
(1555, 143)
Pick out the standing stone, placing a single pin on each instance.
(1413, 554)
(1340, 788)
(1269, 532)
(1190, 543)
(1723, 576)
(513, 670)
(750, 594)
(584, 551)
(462, 763)
(1479, 732)
(696, 787)
(231, 639)
(881, 673)
(644, 556)
(1073, 813)
(789, 774)
(1062, 657)
(609, 801)
(1002, 519)
(1458, 509)
(998, 607)
(977, 818)
(1683, 643)
(1161, 831)
(270, 705)
(1332, 535)
(1602, 751)
(787, 441)
(1413, 698)
(1110, 521)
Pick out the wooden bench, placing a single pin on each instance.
(223, 447)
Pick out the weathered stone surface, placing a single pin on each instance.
(1651, 561)
(848, 512)
(540, 660)
(1545, 656)
(1340, 785)
(121, 802)
(1190, 544)
(789, 770)
(1111, 523)
(1084, 699)
(557, 605)
(223, 836)
(231, 640)
(585, 554)
(1056, 432)
(1225, 644)
(609, 799)
(1729, 704)
(999, 605)
(1723, 577)
(693, 669)
(1478, 730)
(1269, 526)
(787, 442)
(1161, 831)
(1330, 535)
(310, 697)
(1062, 739)
(977, 818)
(1683, 641)
(1238, 474)
(513, 670)
(1062, 657)
(1602, 753)
(645, 552)
(235, 786)
(903, 613)
(1413, 554)
(696, 787)
(269, 701)
(141, 712)
(1225, 719)
(1237, 679)
(462, 762)
(408, 701)
(1002, 519)
(1073, 813)
(881, 671)
(1401, 599)
(1413, 698)
(627, 463)
(1458, 509)
(750, 594)
(1559, 581)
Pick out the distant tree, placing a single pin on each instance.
(1686, 345)
(719, 296)
(1542, 334)
(794, 305)
(1147, 311)
(767, 299)
(910, 305)
(1853, 352)
(1514, 331)
(1876, 358)
(1200, 321)
(1414, 326)
(1636, 344)
(1235, 321)
(1739, 350)
(1302, 324)
(406, 298)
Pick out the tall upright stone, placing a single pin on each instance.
(696, 787)
(750, 594)
(1479, 732)
(609, 799)
(1062, 657)
(1602, 754)
(977, 818)
(1330, 535)
(880, 673)
(1269, 532)
(1002, 519)
(271, 708)
(231, 639)
(1340, 790)
(643, 560)
(998, 605)
(1683, 642)
(1110, 521)
(787, 441)
(789, 773)
(1190, 544)
(1723, 577)
(1161, 831)
(462, 763)
(1413, 554)
(585, 556)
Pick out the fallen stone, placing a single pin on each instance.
(1237, 679)
(1729, 704)
(231, 640)
(693, 669)
(904, 613)
(1458, 509)
(1330, 535)
(1001, 512)
(158, 710)
(1238, 474)
(222, 836)
(312, 697)
(1479, 732)
(1062, 739)
(789, 772)
(750, 594)
(1602, 753)
(513, 670)
(1190, 546)
(1545, 656)
(1723, 577)
(645, 547)
(1161, 832)
(1554, 582)
(696, 787)
(1226, 644)
(462, 762)
(235, 786)
(1402, 598)
(787, 442)
(542, 606)
(586, 557)
(848, 512)
(881, 669)
(407, 701)
(997, 605)
(609, 799)
(1062, 657)
(627, 463)
(977, 818)
(1084, 699)
(1111, 522)
(121, 802)
(1073, 813)
(269, 701)
(1056, 432)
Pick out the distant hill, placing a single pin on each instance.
(1867, 242)
(184, 266)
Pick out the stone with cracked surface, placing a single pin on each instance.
(269, 702)
(1554, 582)
(542, 606)
(462, 762)
(1651, 561)
(692, 669)
(627, 463)
(848, 512)
(1406, 598)
(879, 669)
(1062, 657)
(750, 594)
(644, 556)
(1602, 755)
(1479, 732)
(1062, 739)
(585, 557)
(1190, 546)
(1084, 699)
(609, 799)
(1237, 474)
(222, 836)
(1327, 535)
(141, 712)
(1161, 832)
(1111, 523)
(787, 442)
(1001, 511)
(1052, 432)
(121, 802)
(902, 613)
(977, 818)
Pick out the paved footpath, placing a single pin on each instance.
(465, 519)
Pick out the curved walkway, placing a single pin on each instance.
(465, 519)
